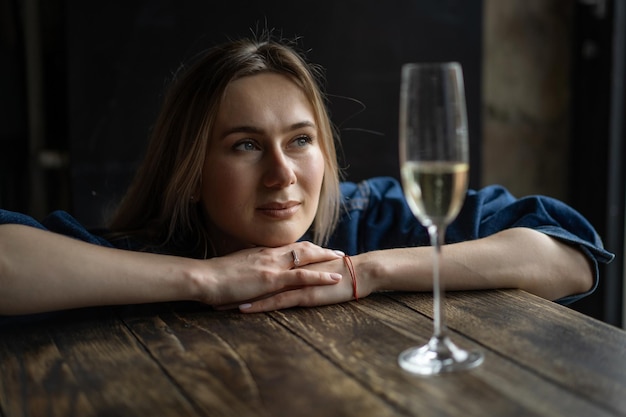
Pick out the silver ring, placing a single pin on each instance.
(296, 260)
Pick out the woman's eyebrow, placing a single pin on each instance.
(301, 125)
(240, 129)
(256, 130)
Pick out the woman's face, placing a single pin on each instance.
(264, 167)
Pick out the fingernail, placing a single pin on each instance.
(335, 277)
(245, 306)
(338, 252)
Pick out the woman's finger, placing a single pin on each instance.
(305, 277)
(301, 297)
(305, 253)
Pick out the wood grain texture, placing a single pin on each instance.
(581, 354)
(383, 328)
(84, 366)
(233, 364)
(179, 359)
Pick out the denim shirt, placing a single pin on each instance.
(376, 216)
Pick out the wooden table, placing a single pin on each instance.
(184, 359)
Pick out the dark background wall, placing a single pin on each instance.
(597, 182)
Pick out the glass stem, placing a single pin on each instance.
(436, 239)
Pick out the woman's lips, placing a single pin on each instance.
(279, 210)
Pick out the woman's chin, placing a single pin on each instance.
(276, 241)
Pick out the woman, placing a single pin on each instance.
(238, 202)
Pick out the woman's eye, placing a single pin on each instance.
(303, 141)
(246, 145)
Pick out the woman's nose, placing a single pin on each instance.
(279, 170)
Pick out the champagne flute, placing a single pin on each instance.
(434, 162)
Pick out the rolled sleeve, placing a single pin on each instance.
(58, 222)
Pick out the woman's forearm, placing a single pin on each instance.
(43, 271)
(514, 258)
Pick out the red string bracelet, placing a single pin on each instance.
(348, 263)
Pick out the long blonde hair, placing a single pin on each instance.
(157, 209)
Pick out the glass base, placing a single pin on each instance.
(439, 356)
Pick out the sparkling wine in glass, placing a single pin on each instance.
(434, 163)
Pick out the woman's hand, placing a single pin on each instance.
(261, 272)
(315, 295)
